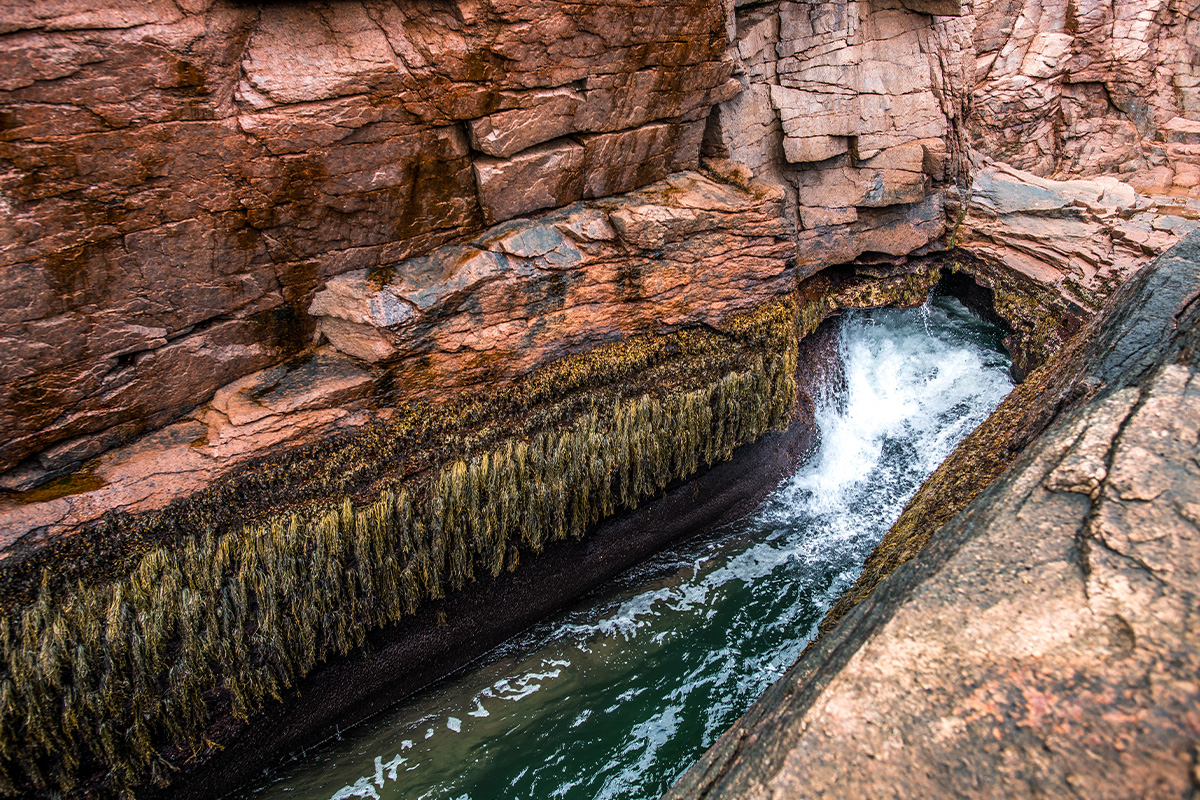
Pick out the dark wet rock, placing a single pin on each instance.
(1043, 643)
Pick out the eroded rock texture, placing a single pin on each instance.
(182, 179)
(685, 251)
(1081, 87)
(1049, 253)
(1044, 642)
(1068, 243)
(857, 107)
(178, 179)
(424, 197)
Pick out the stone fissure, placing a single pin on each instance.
(1085, 539)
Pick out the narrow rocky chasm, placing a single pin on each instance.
(615, 697)
(343, 340)
(1043, 640)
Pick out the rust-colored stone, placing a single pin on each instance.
(173, 169)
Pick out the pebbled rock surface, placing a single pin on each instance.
(1044, 642)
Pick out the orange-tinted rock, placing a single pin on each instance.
(1081, 87)
(1083, 237)
(548, 115)
(178, 171)
(546, 176)
(857, 109)
(618, 162)
(246, 418)
(684, 251)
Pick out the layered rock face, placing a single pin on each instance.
(1079, 87)
(1044, 641)
(1069, 244)
(857, 107)
(685, 251)
(179, 179)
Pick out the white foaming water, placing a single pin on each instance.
(902, 383)
(615, 698)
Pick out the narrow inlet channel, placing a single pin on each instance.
(617, 697)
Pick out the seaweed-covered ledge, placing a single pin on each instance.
(122, 643)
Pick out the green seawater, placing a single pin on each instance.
(616, 697)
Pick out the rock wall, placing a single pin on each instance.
(1080, 87)
(1044, 641)
(686, 251)
(181, 180)
(1050, 252)
(178, 179)
(857, 107)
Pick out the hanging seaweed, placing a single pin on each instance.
(105, 677)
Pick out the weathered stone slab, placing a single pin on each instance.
(909, 156)
(620, 162)
(893, 230)
(1083, 235)
(801, 149)
(946, 8)
(823, 217)
(744, 129)
(322, 380)
(839, 187)
(549, 115)
(246, 418)
(547, 176)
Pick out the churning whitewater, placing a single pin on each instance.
(616, 698)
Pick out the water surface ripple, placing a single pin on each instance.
(617, 697)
